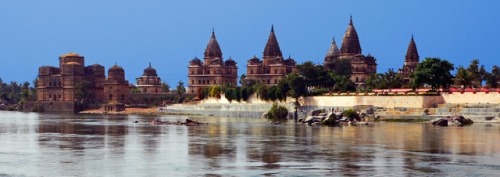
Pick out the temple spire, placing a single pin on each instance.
(350, 42)
(333, 52)
(412, 52)
(213, 49)
(272, 48)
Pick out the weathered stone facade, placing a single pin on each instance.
(149, 82)
(214, 71)
(361, 66)
(273, 67)
(411, 61)
(116, 90)
(71, 81)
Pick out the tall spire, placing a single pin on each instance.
(333, 52)
(272, 48)
(412, 52)
(350, 43)
(213, 50)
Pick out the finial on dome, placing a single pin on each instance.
(350, 21)
(272, 28)
(213, 31)
(149, 64)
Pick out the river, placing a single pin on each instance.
(33, 144)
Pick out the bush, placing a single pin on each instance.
(351, 114)
(277, 113)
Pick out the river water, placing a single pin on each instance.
(33, 144)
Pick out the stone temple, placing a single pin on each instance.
(361, 66)
(213, 71)
(273, 67)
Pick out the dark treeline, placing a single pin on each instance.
(13, 94)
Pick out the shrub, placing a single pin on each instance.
(277, 113)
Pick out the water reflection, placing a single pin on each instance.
(104, 145)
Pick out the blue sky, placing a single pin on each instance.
(168, 34)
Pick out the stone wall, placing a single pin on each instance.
(410, 101)
(51, 106)
(471, 98)
(395, 106)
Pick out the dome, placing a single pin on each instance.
(73, 63)
(230, 62)
(150, 71)
(116, 70)
(195, 61)
(290, 61)
(254, 59)
(70, 54)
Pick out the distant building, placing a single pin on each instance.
(273, 67)
(411, 61)
(71, 81)
(361, 66)
(149, 82)
(116, 90)
(213, 71)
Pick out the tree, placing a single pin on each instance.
(477, 73)
(434, 72)
(493, 78)
(315, 75)
(165, 87)
(181, 90)
(341, 67)
(463, 77)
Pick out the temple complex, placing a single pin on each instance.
(361, 66)
(71, 81)
(411, 61)
(149, 82)
(273, 67)
(213, 71)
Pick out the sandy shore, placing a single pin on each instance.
(153, 110)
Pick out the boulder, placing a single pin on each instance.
(440, 122)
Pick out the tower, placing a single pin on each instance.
(213, 71)
(411, 60)
(273, 67)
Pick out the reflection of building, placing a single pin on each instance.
(116, 89)
(149, 82)
(72, 81)
(273, 67)
(411, 61)
(361, 66)
(213, 71)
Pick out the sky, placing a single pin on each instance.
(169, 34)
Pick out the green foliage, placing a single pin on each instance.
(277, 113)
(477, 73)
(230, 94)
(181, 90)
(215, 91)
(388, 80)
(463, 77)
(165, 87)
(493, 78)
(297, 85)
(351, 114)
(341, 67)
(434, 72)
(13, 93)
(135, 90)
